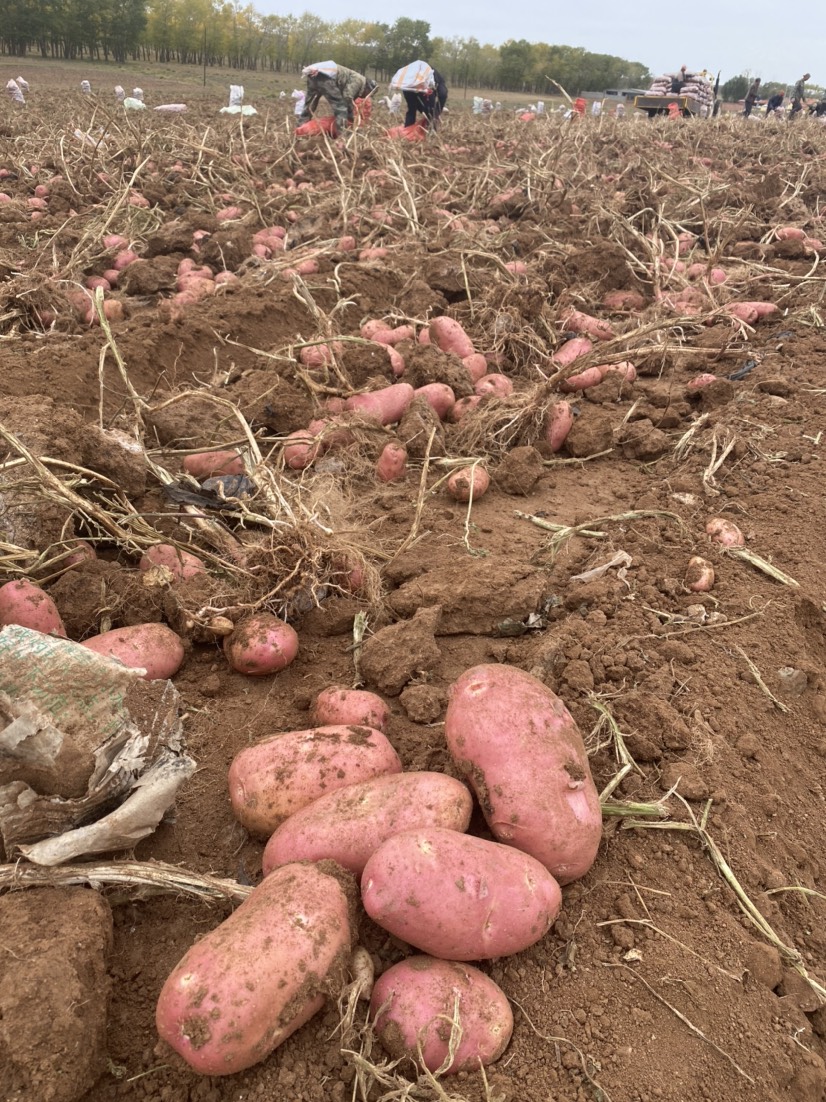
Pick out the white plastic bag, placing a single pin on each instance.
(328, 68)
(415, 77)
(120, 95)
(23, 84)
(86, 87)
(137, 93)
(171, 108)
(299, 98)
(236, 95)
(132, 104)
(13, 88)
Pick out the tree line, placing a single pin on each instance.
(223, 33)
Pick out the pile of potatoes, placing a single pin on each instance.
(344, 823)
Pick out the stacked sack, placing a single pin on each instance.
(695, 86)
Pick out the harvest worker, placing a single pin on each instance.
(751, 97)
(799, 94)
(424, 91)
(678, 81)
(339, 86)
(774, 103)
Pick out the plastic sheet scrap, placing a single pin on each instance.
(91, 755)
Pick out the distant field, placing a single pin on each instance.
(166, 83)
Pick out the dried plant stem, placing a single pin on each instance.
(761, 683)
(761, 564)
(142, 876)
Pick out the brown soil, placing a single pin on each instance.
(653, 984)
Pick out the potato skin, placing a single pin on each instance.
(251, 982)
(523, 755)
(154, 647)
(24, 603)
(415, 992)
(338, 704)
(181, 564)
(261, 645)
(276, 777)
(349, 825)
(457, 897)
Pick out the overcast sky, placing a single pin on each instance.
(761, 37)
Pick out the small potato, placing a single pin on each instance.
(244, 987)
(499, 386)
(700, 381)
(699, 575)
(301, 449)
(457, 897)
(725, 532)
(439, 396)
(577, 322)
(522, 753)
(349, 825)
(392, 463)
(571, 350)
(623, 300)
(152, 647)
(591, 376)
(339, 705)
(469, 482)
(180, 564)
(275, 778)
(261, 645)
(463, 407)
(203, 465)
(448, 335)
(413, 1006)
(26, 604)
(476, 365)
(559, 423)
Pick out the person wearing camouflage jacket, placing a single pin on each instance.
(339, 89)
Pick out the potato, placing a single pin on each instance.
(467, 483)
(591, 376)
(386, 405)
(350, 824)
(392, 463)
(499, 386)
(152, 647)
(577, 322)
(458, 897)
(524, 757)
(699, 575)
(276, 777)
(24, 603)
(261, 645)
(180, 564)
(413, 1006)
(439, 396)
(571, 350)
(448, 335)
(339, 705)
(209, 464)
(559, 423)
(476, 366)
(725, 532)
(252, 981)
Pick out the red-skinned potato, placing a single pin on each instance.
(301, 448)
(261, 645)
(449, 335)
(591, 376)
(457, 897)
(439, 396)
(276, 777)
(623, 300)
(339, 705)
(203, 465)
(414, 1000)
(499, 386)
(349, 825)
(577, 322)
(725, 532)
(476, 365)
(699, 575)
(523, 754)
(181, 565)
(26, 604)
(247, 985)
(387, 405)
(469, 482)
(392, 463)
(571, 350)
(152, 647)
(463, 407)
(700, 381)
(559, 423)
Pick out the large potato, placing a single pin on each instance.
(350, 824)
(458, 897)
(413, 1008)
(276, 777)
(251, 982)
(521, 751)
(24, 603)
(153, 647)
(261, 645)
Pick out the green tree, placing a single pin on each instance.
(735, 89)
(407, 40)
